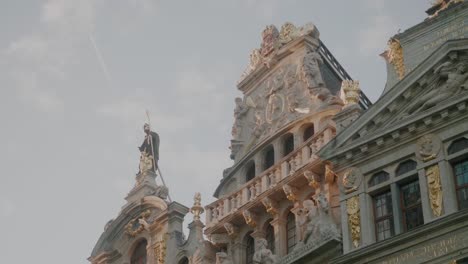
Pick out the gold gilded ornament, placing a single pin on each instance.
(354, 219)
(435, 189)
(394, 56)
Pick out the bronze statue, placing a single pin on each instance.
(150, 147)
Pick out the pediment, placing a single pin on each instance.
(439, 82)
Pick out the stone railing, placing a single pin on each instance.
(287, 166)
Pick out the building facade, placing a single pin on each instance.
(320, 175)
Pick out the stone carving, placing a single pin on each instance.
(313, 179)
(453, 79)
(197, 208)
(351, 91)
(275, 100)
(320, 223)
(161, 192)
(441, 5)
(249, 218)
(262, 254)
(160, 250)
(290, 192)
(240, 111)
(330, 175)
(394, 56)
(351, 180)
(135, 226)
(272, 40)
(428, 147)
(196, 258)
(435, 189)
(270, 37)
(146, 164)
(231, 229)
(270, 206)
(223, 258)
(354, 220)
(312, 77)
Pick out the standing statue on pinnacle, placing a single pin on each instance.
(149, 151)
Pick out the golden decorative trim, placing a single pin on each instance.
(351, 91)
(435, 189)
(354, 219)
(160, 250)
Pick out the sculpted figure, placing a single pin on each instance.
(324, 225)
(456, 81)
(310, 219)
(150, 146)
(312, 77)
(239, 111)
(288, 33)
(223, 258)
(262, 254)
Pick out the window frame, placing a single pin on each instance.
(390, 216)
(403, 209)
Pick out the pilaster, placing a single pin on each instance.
(448, 188)
(279, 226)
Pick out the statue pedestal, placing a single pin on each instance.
(145, 186)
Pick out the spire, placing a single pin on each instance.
(197, 209)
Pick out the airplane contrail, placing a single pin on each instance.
(100, 58)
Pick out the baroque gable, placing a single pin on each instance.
(436, 90)
(286, 80)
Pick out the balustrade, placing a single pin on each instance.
(266, 180)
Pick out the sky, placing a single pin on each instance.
(77, 76)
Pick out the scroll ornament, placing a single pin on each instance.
(354, 219)
(435, 189)
(137, 225)
(394, 56)
(160, 251)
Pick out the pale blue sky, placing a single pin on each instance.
(72, 118)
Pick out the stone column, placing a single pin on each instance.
(426, 204)
(279, 149)
(447, 180)
(238, 252)
(367, 220)
(396, 209)
(259, 160)
(279, 226)
(347, 243)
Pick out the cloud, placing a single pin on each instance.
(372, 39)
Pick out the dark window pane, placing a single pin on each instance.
(288, 144)
(139, 254)
(269, 158)
(291, 232)
(250, 174)
(458, 145)
(383, 216)
(461, 176)
(270, 237)
(411, 205)
(379, 177)
(250, 249)
(309, 132)
(405, 167)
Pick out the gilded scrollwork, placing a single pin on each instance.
(249, 218)
(434, 189)
(354, 220)
(313, 179)
(138, 224)
(270, 206)
(291, 192)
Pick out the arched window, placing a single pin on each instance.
(269, 157)
(291, 232)
(139, 254)
(250, 171)
(458, 145)
(288, 144)
(406, 166)
(184, 261)
(378, 178)
(270, 236)
(250, 248)
(309, 132)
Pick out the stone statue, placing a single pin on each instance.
(309, 220)
(161, 192)
(150, 147)
(223, 258)
(456, 81)
(312, 77)
(239, 111)
(324, 226)
(262, 254)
